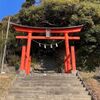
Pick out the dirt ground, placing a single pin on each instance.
(93, 82)
(5, 81)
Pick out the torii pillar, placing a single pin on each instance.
(67, 57)
(27, 61)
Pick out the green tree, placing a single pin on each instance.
(61, 13)
(28, 3)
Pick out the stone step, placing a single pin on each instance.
(44, 80)
(50, 75)
(29, 94)
(50, 97)
(49, 87)
(47, 77)
(44, 71)
(48, 84)
(33, 95)
(32, 84)
(48, 91)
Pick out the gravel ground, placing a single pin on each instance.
(93, 82)
(5, 81)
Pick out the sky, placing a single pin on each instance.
(10, 7)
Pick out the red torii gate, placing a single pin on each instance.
(70, 61)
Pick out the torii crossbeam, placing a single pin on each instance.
(70, 61)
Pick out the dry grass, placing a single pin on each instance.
(87, 75)
(93, 84)
(5, 81)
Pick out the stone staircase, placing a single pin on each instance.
(42, 86)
